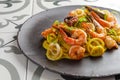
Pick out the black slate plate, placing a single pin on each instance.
(30, 42)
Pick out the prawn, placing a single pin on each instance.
(47, 31)
(110, 43)
(110, 17)
(98, 27)
(109, 22)
(101, 14)
(77, 37)
(76, 52)
(99, 34)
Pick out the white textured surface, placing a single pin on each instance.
(3, 73)
(14, 16)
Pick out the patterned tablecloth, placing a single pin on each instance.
(13, 13)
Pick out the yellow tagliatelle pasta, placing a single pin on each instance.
(97, 51)
(77, 12)
(96, 41)
(45, 44)
(52, 38)
(95, 47)
(54, 52)
(65, 53)
(114, 34)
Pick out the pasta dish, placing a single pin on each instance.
(84, 32)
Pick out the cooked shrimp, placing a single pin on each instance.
(77, 37)
(76, 52)
(102, 22)
(110, 43)
(91, 26)
(77, 12)
(47, 31)
(99, 34)
(110, 17)
(98, 27)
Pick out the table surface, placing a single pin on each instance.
(13, 13)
